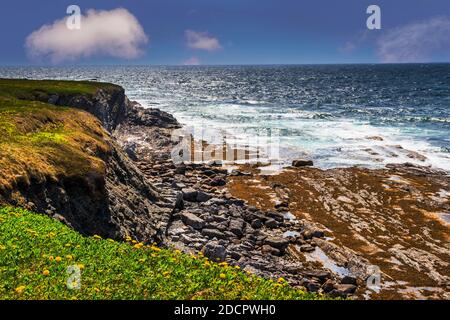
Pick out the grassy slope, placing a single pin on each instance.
(29, 267)
(39, 140)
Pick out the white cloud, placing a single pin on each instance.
(202, 41)
(194, 61)
(115, 33)
(415, 42)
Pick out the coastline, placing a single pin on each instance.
(278, 226)
(359, 217)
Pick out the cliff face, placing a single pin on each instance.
(60, 161)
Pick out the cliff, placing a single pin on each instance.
(57, 157)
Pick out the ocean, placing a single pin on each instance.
(337, 115)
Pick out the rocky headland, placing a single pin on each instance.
(320, 230)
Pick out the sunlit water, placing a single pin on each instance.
(367, 115)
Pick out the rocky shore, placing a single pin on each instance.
(320, 230)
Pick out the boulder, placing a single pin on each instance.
(214, 251)
(302, 163)
(237, 226)
(213, 233)
(189, 194)
(192, 220)
(278, 243)
(202, 196)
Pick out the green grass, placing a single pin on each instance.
(42, 89)
(31, 246)
(40, 141)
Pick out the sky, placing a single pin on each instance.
(223, 32)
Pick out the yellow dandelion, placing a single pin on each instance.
(222, 276)
(141, 260)
(81, 266)
(166, 274)
(134, 241)
(177, 252)
(97, 289)
(97, 237)
(281, 280)
(138, 245)
(58, 259)
(223, 264)
(128, 238)
(69, 257)
(20, 289)
(51, 258)
(46, 272)
(237, 267)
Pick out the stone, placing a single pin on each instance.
(328, 286)
(214, 251)
(302, 163)
(256, 224)
(190, 194)
(309, 234)
(271, 223)
(306, 248)
(278, 243)
(321, 275)
(237, 227)
(213, 233)
(266, 249)
(349, 280)
(217, 182)
(312, 286)
(192, 220)
(202, 196)
(345, 289)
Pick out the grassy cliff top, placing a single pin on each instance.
(35, 252)
(28, 89)
(41, 141)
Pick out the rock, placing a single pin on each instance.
(202, 196)
(266, 249)
(256, 224)
(345, 289)
(328, 286)
(213, 233)
(321, 275)
(309, 234)
(349, 280)
(302, 163)
(278, 243)
(190, 194)
(306, 248)
(192, 220)
(312, 286)
(217, 182)
(237, 227)
(271, 223)
(214, 251)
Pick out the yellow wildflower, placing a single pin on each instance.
(51, 258)
(222, 276)
(20, 289)
(58, 259)
(69, 257)
(97, 237)
(46, 272)
(81, 266)
(138, 245)
(281, 280)
(166, 274)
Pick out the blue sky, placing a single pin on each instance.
(242, 32)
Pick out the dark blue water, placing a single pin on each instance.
(339, 115)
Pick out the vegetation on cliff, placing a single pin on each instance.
(35, 252)
(41, 141)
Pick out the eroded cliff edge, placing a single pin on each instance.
(57, 157)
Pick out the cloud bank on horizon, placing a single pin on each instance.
(416, 42)
(115, 33)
